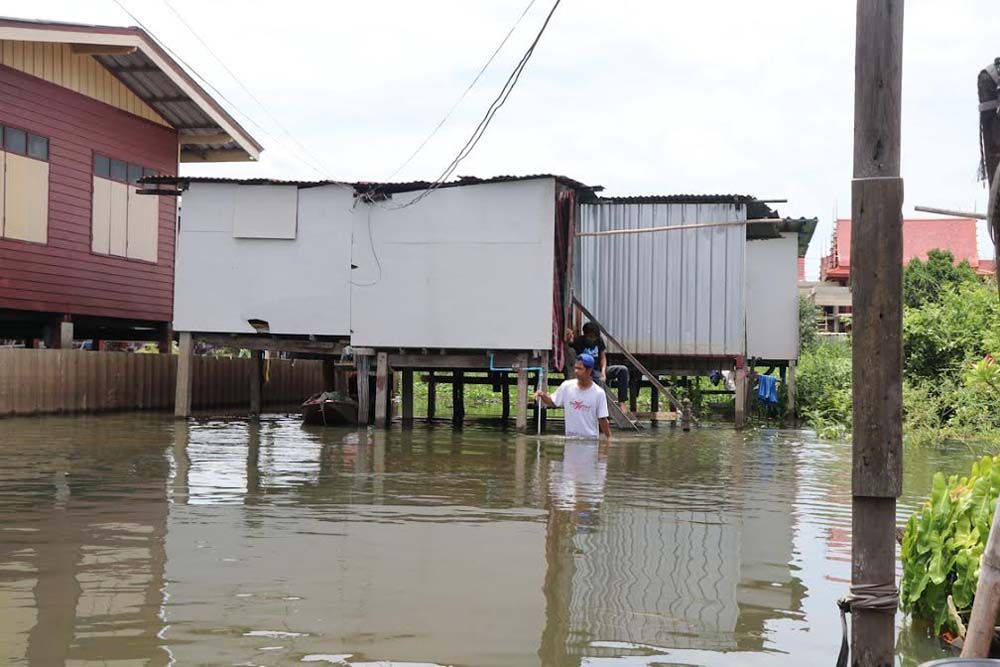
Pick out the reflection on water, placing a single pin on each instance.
(137, 540)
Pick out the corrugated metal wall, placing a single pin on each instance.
(673, 293)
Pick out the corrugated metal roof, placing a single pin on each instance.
(369, 186)
(679, 199)
(160, 81)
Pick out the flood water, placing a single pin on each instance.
(135, 540)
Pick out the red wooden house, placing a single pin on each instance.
(85, 111)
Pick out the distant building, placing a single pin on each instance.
(85, 112)
(957, 235)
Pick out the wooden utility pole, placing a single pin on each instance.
(876, 292)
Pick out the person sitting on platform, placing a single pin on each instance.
(584, 402)
(591, 343)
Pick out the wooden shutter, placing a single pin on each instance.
(100, 240)
(26, 201)
(143, 225)
(119, 218)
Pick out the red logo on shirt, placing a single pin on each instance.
(578, 405)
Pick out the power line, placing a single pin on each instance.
(211, 87)
(464, 92)
(495, 106)
(240, 83)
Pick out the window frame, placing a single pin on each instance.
(130, 184)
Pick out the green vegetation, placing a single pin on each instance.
(943, 543)
(951, 336)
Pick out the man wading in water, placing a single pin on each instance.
(585, 404)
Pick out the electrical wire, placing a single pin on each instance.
(477, 134)
(208, 84)
(240, 83)
(464, 92)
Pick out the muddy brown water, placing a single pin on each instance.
(136, 540)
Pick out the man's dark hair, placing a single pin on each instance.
(591, 328)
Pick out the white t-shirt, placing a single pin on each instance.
(583, 408)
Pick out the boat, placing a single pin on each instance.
(330, 409)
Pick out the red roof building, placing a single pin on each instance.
(957, 235)
(85, 112)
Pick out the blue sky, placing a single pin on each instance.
(641, 97)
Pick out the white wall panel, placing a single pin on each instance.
(467, 267)
(265, 212)
(299, 286)
(773, 298)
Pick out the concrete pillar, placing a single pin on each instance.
(185, 376)
(431, 396)
(740, 380)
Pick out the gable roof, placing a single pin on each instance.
(957, 235)
(206, 131)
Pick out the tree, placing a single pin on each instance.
(925, 282)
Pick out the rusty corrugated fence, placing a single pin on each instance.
(54, 381)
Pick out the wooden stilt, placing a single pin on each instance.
(877, 313)
(166, 340)
(654, 402)
(790, 385)
(256, 381)
(66, 335)
(407, 396)
(457, 398)
(505, 398)
(740, 380)
(363, 364)
(383, 387)
(522, 393)
(185, 376)
(329, 375)
(431, 396)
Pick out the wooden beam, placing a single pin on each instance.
(677, 228)
(657, 415)
(364, 365)
(383, 388)
(216, 155)
(949, 211)
(185, 376)
(217, 139)
(407, 397)
(876, 287)
(104, 50)
(258, 342)
(450, 361)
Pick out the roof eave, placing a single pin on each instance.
(31, 31)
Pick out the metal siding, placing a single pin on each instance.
(773, 298)
(672, 293)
